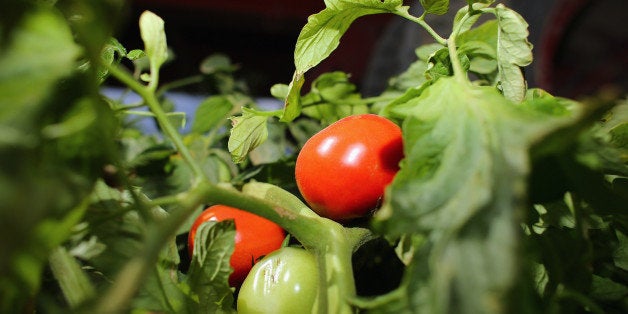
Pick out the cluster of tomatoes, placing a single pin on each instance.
(341, 172)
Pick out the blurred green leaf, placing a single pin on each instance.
(154, 37)
(136, 54)
(280, 91)
(74, 283)
(607, 289)
(620, 255)
(41, 33)
(53, 150)
(217, 63)
(161, 291)
(211, 113)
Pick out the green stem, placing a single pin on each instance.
(147, 93)
(179, 83)
(420, 20)
(337, 283)
(459, 74)
(455, 61)
(73, 282)
(127, 282)
(129, 107)
(154, 76)
(330, 241)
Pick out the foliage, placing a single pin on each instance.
(509, 199)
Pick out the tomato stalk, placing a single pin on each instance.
(332, 243)
(147, 93)
(459, 73)
(328, 240)
(403, 12)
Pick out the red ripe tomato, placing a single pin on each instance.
(255, 237)
(342, 170)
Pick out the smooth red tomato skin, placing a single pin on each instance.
(255, 237)
(342, 171)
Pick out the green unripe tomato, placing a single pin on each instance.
(285, 281)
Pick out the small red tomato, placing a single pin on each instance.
(342, 170)
(255, 237)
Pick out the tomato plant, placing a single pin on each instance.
(285, 281)
(255, 237)
(467, 224)
(342, 170)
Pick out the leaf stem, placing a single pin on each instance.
(179, 83)
(160, 115)
(73, 282)
(453, 52)
(455, 61)
(421, 21)
(331, 242)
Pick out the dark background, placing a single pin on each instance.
(580, 46)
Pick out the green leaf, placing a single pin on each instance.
(274, 148)
(111, 53)
(209, 269)
(462, 185)
(513, 52)
(463, 21)
(332, 97)
(115, 219)
(154, 37)
(608, 290)
(438, 7)
(425, 52)
(135, 54)
(50, 172)
(620, 255)
(280, 91)
(217, 63)
(397, 109)
(439, 64)
(540, 101)
(161, 290)
(211, 113)
(292, 104)
(248, 131)
(480, 45)
(321, 35)
(471, 2)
